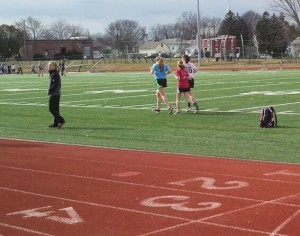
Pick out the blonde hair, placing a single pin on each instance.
(159, 60)
(54, 65)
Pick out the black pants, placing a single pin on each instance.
(54, 109)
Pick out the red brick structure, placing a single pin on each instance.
(220, 46)
(49, 48)
(224, 45)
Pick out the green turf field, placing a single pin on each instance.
(114, 110)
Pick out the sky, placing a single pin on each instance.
(96, 15)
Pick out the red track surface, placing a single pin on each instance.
(52, 189)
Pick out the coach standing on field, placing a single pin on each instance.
(54, 93)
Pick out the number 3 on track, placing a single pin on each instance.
(180, 206)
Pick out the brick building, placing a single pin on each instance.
(49, 48)
(220, 46)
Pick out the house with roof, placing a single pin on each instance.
(294, 49)
(169, 46)
(153, 47)
(177, 45)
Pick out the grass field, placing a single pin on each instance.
(114, 110)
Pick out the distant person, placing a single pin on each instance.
(62, 68)
(32, 69)
(41, 69)
(54, 93)
(160, 71)
(183, 87)
(191, 69)
(13, 68)
(20, 70)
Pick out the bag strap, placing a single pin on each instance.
(275, 116)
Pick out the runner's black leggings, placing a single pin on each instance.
(54, 108)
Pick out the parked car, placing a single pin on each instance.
(165, 55)
(265, 56)
(178, 55)
(152, 55)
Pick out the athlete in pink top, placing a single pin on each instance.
(183, 87)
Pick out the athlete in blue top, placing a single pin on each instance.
(160, 71)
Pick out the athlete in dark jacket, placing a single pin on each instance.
(54, 93)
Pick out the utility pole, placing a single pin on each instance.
(198, 39)
(24, 36)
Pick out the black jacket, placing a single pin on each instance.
(55, 83)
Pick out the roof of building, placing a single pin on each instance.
(149, 45)
(296, 41)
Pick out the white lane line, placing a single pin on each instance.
(154, 167)
(94, 204)
(285, 223)
(25, 230)
(132, 184)
(203, 220)
(127, 174)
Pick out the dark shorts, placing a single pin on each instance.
(191, 82)
(161, 83)
(183, 90)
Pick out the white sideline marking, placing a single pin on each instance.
(127, 174)
(24, 229)
(285, 223)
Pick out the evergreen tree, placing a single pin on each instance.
(228, 25)
(273, 34)
(236, 26)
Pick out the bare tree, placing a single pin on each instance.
(60, 29)
(251, 18)
(125, 34)
(215, 24)
(290, 8)
(187, 23)
(163, 31)
(33, 27)
(77, 30)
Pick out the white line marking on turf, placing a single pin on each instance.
(285, 223)
(25, 230)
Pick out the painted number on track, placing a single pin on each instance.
(180, 205)
(209, 183)
(72, 216)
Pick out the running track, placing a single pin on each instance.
(54, 189)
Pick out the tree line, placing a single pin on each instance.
(269, 32)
